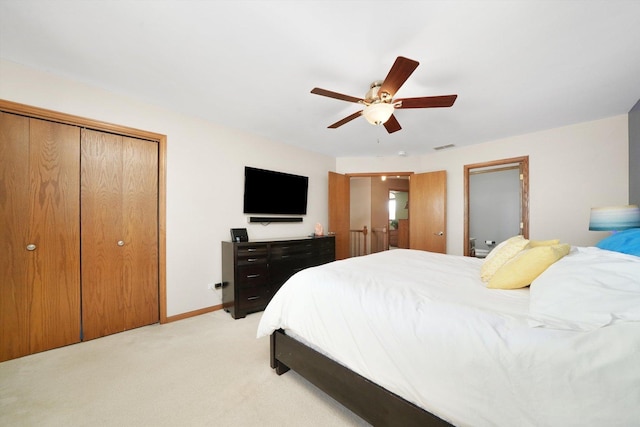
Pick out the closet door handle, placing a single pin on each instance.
(439, 233)
(120, 242)
(31, 247)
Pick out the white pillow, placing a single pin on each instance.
(588, 289)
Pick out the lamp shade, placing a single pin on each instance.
(614, 218)
(379, 113)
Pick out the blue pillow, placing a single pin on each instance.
(627, 242)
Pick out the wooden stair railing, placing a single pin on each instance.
(358, 242)
(379, 239)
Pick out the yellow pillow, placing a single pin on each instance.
(522, 269)
(500, 255)
(536, 243)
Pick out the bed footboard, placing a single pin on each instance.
(373, 403)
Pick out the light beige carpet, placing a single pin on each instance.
(208, 370)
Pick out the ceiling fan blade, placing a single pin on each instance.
(399, 73)
(336, 95)
(427, 101)
(392, 124)
(345, 120)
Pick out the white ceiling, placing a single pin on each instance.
(517, 66)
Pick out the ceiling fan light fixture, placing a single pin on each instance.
(379, 104)
(378, 113)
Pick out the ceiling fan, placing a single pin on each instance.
(379, 103)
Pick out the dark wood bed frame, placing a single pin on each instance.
(368, 400)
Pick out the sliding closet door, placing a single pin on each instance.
(39, 236)
(119, 226)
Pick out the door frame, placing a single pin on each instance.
(160, 139)
(334, 212)
(523, 163)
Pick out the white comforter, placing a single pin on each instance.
(425, 327)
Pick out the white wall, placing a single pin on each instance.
(205, 176)
(572, 169)
(360, 203)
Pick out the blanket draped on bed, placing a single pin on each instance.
(424, 326)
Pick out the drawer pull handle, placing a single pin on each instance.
(252, 298)
(252, 259)
(252, 276)
(251, 249)
(285, 256)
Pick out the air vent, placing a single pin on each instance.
(443, 147)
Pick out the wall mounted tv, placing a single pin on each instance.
(271, 192)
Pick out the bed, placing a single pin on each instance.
(407, 337)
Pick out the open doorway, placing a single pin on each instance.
(496, 203)
(427, 209)
(380, 203)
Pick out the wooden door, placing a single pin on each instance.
(140, 231)
(39, 237)
(427, 211)
(119, 224)
(339, 212)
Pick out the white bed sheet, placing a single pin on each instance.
(425, 327)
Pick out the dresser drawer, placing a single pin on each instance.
(326, 245)
(252, 255)
(252, 250)
(252, 275)
(283, 251)
(252, 261)
(253, 298)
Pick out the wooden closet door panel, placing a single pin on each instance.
(14, 208)
(140, 221)
(54, 266)
(101, 225)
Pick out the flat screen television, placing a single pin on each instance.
(271, 192)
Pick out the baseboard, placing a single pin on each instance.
(193, 313)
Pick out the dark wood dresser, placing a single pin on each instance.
(252, 272)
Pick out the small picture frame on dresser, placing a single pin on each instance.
(239, 235)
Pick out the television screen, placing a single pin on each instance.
(271, 192)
